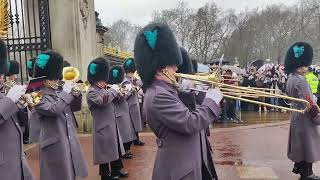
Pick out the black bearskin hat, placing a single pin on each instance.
(116, 75)
(298, 55)
(129, 66)
(155, 48)
(30, 66)
(3, 57)
(49, 64)
(14, 68)
(186, 67)
(98, 70)
(195, 65)
(66, 63)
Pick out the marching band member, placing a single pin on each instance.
(107, 142)
(157, 56)
(61, 156)
(127, 133)
(14, 70)
(33, 119)
(304, 139)
(189, 99)
(132, 98)
(13, 163)
(12, 76)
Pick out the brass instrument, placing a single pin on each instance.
(30, 99)
(7, 85)
(242, 93)
(71, 74)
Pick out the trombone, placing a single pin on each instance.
(242, 93)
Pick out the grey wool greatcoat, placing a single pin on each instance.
(189, 99)
(106, 136)
(61, 156)
(125, 124)
(13, 162)
(134, 107)
(177, 130)
(304, 135)
(34, 125)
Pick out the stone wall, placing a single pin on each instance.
(73, 34)
(73, 31)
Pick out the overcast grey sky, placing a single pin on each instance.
(140, 11)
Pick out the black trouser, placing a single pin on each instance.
(127, 146)
(116, 166)
(26, 132)
(229, 107)
(137, 140)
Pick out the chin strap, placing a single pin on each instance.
(170, 76)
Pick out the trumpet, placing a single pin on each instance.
(242, 93)
(7, 85)
(31, 99)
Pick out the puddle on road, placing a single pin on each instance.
(254, 118)
(226, 152)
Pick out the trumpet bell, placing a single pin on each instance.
(70, 74)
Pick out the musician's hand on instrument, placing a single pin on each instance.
(115, 87)
(215, 95)
(16, 92)
(67, 87)
(129, 87)
(185, 85)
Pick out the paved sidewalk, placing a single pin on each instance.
(251, 153)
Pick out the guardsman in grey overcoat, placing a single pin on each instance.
(125, 125)
(107, 143)
(33, 119)
(61, 156)
(13, 162)
(157, 56)
(188, 97)
(132, 98)
(12, 76)
(304, 136)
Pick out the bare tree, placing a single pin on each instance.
(121, 35)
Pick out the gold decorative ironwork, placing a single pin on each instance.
(113, 52)
(4, 18)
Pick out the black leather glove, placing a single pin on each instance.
(314, 111)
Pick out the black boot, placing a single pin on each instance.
(109, 177)
(121, 173)
(297, 167)
(307, 172)
(127, 155)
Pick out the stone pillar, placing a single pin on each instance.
(73, 31)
